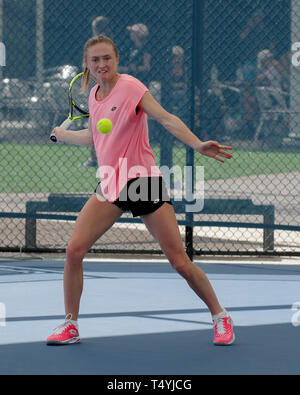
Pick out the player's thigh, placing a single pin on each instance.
(163, 225)
(95, 218)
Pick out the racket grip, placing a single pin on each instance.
(66, 123)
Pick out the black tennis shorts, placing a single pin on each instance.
(141, 196)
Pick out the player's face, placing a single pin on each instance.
(102, 62)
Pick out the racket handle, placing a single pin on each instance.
(66, 123)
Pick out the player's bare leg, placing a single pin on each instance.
(93, 221)
(164, 227)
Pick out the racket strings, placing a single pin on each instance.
(79, 98)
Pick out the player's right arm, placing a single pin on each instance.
(80, 137)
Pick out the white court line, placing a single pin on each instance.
(284, 261)
(292, 261)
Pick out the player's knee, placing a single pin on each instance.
(182, 264)
(74, 254)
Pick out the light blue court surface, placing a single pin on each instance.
(141, 318)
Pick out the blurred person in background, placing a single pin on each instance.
(139, 58)
(287, 65)
(255, 37)
(179, 98)
(269, 71)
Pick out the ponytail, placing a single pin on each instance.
(85, 79)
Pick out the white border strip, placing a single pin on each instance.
(255, 261)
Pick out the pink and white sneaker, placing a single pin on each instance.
(223, 326)
(66, 333)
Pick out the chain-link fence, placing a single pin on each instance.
(248, 84)
(225, 68)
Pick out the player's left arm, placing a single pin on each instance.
(178, 128)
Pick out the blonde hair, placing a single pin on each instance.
(90, 43)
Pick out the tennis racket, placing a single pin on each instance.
(78, 100)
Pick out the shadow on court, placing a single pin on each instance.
(151, 323)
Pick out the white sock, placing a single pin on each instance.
(222, 314)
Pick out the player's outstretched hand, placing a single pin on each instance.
(213, 149)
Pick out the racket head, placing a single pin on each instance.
(77, 98)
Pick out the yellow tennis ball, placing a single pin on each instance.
(104, 126)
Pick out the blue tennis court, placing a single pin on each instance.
(138, 317)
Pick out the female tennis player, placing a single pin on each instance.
(127, 103)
